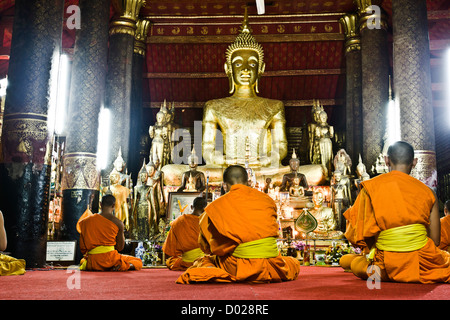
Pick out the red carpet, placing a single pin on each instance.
(314, 283)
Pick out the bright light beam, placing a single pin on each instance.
(63, 90)
(104, 129)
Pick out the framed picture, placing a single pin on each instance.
(180, 203)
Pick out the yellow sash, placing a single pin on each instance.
(96, 250)
(191, 255)
(407, 238)
(261, 248)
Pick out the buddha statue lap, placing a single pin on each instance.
(244, 120)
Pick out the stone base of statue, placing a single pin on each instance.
(315, 174)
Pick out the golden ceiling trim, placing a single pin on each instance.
(250, 17)
(304, 37)
(287, 103)
(206, 75)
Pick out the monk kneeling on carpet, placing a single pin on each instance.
(182, 240)
(395, 219)
(239, 233)
(102, 238)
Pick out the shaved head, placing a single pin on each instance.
(401, 153)
(235, 174)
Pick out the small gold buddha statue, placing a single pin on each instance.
(296, 190)
(244, 114)
(249, 124)
(323, 134)
(122, 194)
(119, 165)
(193, 180)
(160, 135)
(326, 221)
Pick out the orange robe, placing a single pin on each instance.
(392, 200)
(445, 233)
(242, 215)
(97, 230)
(182, 237)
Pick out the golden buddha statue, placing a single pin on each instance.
(160, 148)
(244, 115)
(122, 194)
(249, 124)
(119, 165)
(313, 147)
(326, 221)
(296, 190)
(323, 134)
(141, 207)
(155, 196)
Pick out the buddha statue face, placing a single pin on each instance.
(150, 170)
(323, 117)
(245, 65)
(114, 178)
(294, 164)
(143, 176)
(160, 116)
(318, 198)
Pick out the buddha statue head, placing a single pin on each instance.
(150, 168)
(294, 163)
(114, 177)
(143, 175)
(193, 159)
(244, 60)
(119, 163)
(318, 198)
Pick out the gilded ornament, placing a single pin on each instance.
(128, 12)
(80, 171)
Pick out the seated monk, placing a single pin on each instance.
(182, 240)
(102, 238)
(239, 230)
(396, 219)
(8, 265)
(445, 228)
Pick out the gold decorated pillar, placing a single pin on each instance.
(80, 178)
(375, 77)
(137, 132)
(412, 83)
(118, 79)
(26, 139)
(353, 103)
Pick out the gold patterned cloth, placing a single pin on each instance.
(11, 266)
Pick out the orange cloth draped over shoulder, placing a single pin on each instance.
(393, 200)
(240, 216)
(445, 233)
(182, 237)
(97, 231)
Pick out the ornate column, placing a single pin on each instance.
(375, 77)
(353, 103)
(26, 141)
(412, 82)
(80, 179)
(137, 130)
(118, 79)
